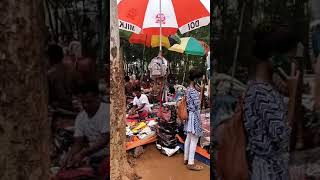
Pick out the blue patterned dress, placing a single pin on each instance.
(193, 125)
(267, 131)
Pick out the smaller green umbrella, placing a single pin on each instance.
(190, 46)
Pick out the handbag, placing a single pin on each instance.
(182, 110)
(231, 152)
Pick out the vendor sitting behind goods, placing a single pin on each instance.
(141, 104)
(92, 126)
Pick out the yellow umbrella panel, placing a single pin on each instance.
(155, 41)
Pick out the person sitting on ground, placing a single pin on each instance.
(141, 104)
(91, 126)
(137, 81)
(146, 84)
(128, 86)
(86, 69)
(59, 81)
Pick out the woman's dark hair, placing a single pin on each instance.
(271, 39)
(172, 90)
(127, 78)
(195, 74)
(55, 53)
(89, 52)
(86, 88)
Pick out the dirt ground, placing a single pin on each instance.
(152, 165)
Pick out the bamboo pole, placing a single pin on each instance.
(238, 40)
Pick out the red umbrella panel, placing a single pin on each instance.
(152, 40)
(145, 16)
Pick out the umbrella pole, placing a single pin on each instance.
(143, 54)
(234, 65)
(185, 69)
(160, 27)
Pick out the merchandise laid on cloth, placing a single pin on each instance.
(140, 133)
(205, 139)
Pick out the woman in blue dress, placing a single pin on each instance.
(192, 127)
(267, 119)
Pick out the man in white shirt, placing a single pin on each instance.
(141, 103)
(92, 129)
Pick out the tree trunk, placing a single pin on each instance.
(24, 126)
(119, 165)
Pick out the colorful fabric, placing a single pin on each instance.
(143, 115)
(193, 124)
(267, 132)
(189, 46)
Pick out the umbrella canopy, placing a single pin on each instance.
(205, 46)
(189, 45)
(150, 40)
(146, 15)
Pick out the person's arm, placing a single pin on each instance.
(292, 84)
(135, 105)
(101, 144)
(75, 148)
(78, 140)
(141, 107)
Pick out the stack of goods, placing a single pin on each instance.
(167, 130)
(222, 85)
(205, 139)
(139, 133)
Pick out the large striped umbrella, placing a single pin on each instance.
(150, 40)
(163, 17)
(189, 46)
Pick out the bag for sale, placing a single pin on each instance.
(158, 67)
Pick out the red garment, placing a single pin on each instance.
(104, 168)
(71, 174)
(143, 114)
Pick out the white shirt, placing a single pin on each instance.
(92, 128)
(142, 100)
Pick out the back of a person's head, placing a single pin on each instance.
(137, 88)
(89, 52)
(127, 78)
(271, 39)
(194, 74)
(55, 53)
(172, 90)
(88, 88)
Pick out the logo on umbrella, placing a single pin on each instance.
(160, 18)
(132, 14)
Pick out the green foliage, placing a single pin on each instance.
(287, 12)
